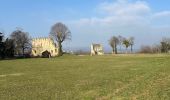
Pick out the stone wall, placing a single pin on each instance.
(40, 45)
(96, 49)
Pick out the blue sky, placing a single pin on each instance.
(90, 21)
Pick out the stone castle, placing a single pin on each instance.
(96, 49)
(39, 45)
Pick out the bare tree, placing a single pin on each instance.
(145, 49)
(9, 48)
(150, 49)
(156, 48)
(165, 45)
(114, 41)
(120, 41)
(131, 41)
(60, 33)
(126, 44)
(21, 41)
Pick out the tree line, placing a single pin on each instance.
(19, 41)
(120, 41)
(162, 47)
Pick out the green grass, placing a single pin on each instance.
(129, 77)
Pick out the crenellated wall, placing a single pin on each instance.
(40, 45)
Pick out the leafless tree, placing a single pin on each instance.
(60, 33)
(21, 41)
(114, 41)
(131, 41)
(150, 49)
(165, 45)
(156, 48)
(120, 41)
(145, 49)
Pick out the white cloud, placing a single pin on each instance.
(124, 8)
(118, 14)
(162, 14)
(122, 14)
(129, 18)
(161, 19)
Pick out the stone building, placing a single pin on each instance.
(96, 49)
(39, 45)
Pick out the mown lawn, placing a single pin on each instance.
(129, 77)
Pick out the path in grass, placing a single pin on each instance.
(86, 78)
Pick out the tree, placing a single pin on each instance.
(9, 48)
(146, 49)
(165, 45)
(131, 41)
(2, 46)
(120, 41)
(156, 48)
(60, 33)
(1, 36)
(114, 41)
(6, 47)
(21, 41)
(126, 44)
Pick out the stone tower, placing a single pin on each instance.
(96, 49)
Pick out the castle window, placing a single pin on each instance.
(55, 50)
(51, 51)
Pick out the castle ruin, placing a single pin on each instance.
(39, 45)
(96, 49)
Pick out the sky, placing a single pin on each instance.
(90, 21)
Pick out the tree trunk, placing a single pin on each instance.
(131, 49)
(120, 49)
(23, 51)
(126, 51)
(60, 52)
(115, 49)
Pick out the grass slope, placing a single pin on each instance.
(145, 77)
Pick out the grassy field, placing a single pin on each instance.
(127, 77)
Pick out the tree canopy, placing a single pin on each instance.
(60, 32)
